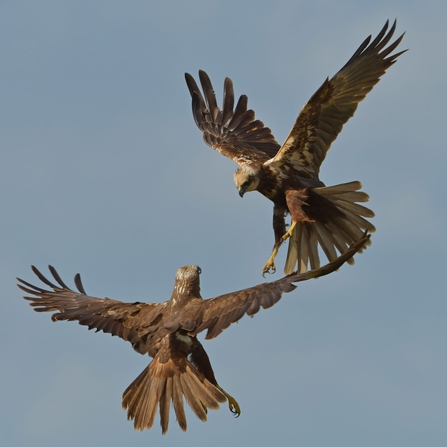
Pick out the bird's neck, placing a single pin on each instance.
(185, 291)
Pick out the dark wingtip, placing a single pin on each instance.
(78, 283)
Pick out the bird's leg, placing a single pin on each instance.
(296, 199)
(289, 231)
(232, 403)
(201, 361)
(279, 228)
(270, 267)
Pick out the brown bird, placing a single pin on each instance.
(289, 174)
(168, 333)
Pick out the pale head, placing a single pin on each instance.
(188, 273)
(246, 179)
(187, 284)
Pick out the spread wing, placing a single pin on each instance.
(217, 314)
(322, 118)
(233, 132)
(133, 322)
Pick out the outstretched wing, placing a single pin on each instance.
(217, 314)
(133, 322)
(234, 133)
(322, 118)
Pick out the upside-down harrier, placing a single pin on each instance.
(168, 333)
(289, 174)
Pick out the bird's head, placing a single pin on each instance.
(188, 273)
(187, 284)
(246, 179)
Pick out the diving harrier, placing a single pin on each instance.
(289, 174)
(168, 333)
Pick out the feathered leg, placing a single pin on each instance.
(279, 229)
(295, 202)
(199, 358)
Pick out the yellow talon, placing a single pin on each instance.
(270, 266)
(232, 403)
(289, 232)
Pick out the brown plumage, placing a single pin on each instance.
(289, 174)
(168, 333)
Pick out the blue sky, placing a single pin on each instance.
(104, 172)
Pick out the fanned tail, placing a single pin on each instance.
(344, 225)
(161, 383)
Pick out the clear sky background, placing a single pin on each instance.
(104, 172)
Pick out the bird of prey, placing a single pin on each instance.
(168, 333)
(288, 175)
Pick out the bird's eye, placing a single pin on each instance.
(199, 270)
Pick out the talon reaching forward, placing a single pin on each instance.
(168, 333)
(289, 174)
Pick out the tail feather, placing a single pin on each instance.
(177, 400)
(312, 243)
(326, 242)
(210, 396)
(349, 196)
(165, 406)
(352, 232)
(355, 208)
(346, 223)
(161, 383)
(142, 396)
(358, 220)
(342, 188)
(192, 398)
(152, 398)
(302, 237)
(339, 237)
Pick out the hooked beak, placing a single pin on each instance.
(242, 191)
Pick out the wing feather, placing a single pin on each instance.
(234, 133)
(228, 101)
(142, 324)
(210, 97)
(218, 313)
(322, 118)
(125, 320)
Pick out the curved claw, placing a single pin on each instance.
(234, 407)
(270, 267)
(232, 402)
